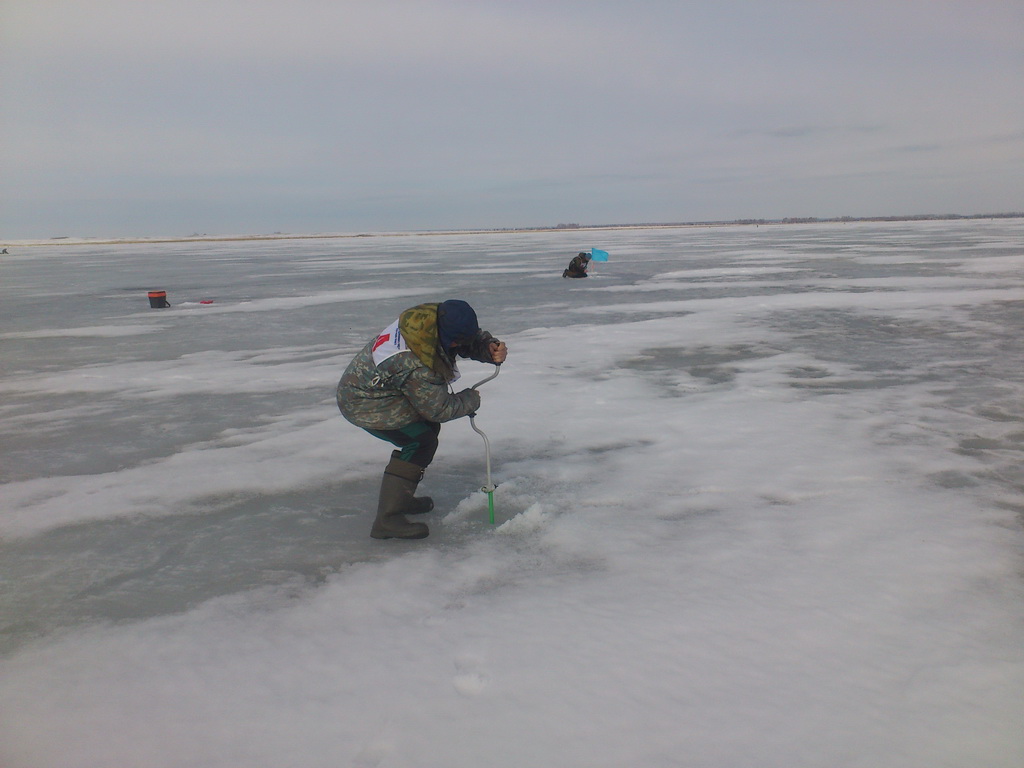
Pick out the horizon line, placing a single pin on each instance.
(196, 237)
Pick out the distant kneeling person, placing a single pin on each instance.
(578, 266)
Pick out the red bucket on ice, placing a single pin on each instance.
(158, 299)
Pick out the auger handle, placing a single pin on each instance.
(497, 370)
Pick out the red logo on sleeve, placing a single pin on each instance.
(382, 339)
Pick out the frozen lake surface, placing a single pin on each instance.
(760, 502)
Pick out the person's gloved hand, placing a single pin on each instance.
(471, 398)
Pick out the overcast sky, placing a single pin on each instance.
(170, 117)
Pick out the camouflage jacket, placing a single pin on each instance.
(410, 385)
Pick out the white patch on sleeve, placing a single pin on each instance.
(389, 343)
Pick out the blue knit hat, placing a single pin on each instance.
(456, 323)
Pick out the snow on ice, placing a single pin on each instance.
(759, 504)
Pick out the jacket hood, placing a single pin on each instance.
(418, 326)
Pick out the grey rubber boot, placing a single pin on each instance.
(396, 498)
(417, 505)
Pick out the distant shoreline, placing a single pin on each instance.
(30, 243)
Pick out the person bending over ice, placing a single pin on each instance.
(398, 388)
(578, 266)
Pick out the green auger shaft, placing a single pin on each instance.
(489, 488)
